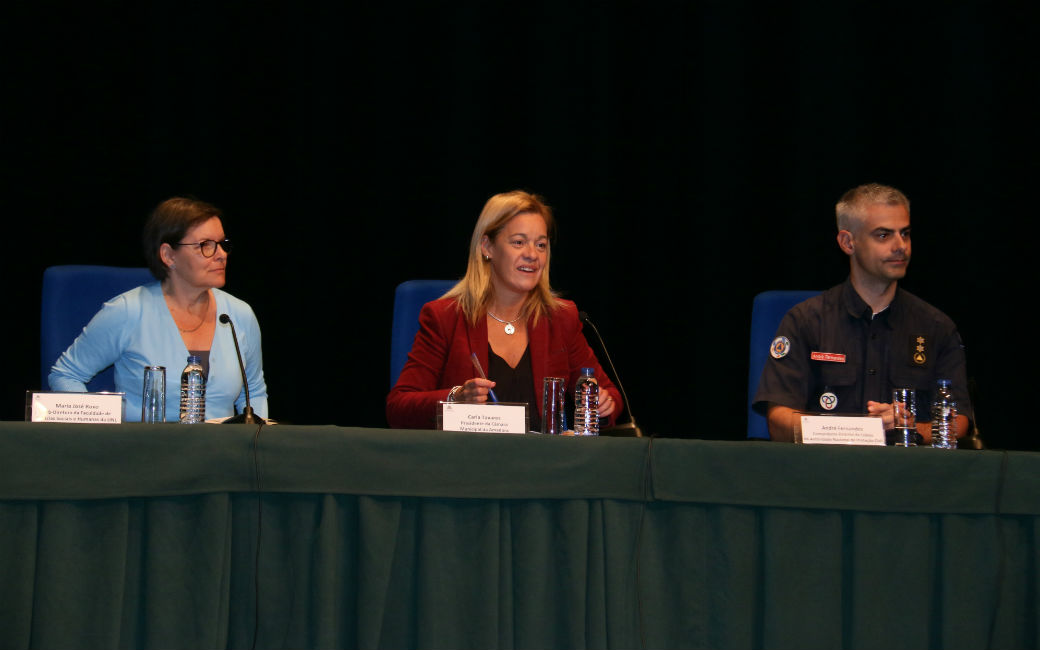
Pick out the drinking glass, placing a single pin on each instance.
(153, 397)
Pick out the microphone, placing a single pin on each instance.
(630, 428)
(246, 416)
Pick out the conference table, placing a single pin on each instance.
(236, 536)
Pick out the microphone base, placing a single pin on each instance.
(625, 430)
(247, 417)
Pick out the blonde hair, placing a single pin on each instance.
(474, 291)
(853, 204)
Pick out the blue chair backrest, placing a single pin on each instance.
(71, 296)
(767, 311)
(409, 298)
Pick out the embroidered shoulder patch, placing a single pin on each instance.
(780, 347)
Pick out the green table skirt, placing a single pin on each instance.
(326, 537)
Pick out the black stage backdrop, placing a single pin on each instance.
(692, 151)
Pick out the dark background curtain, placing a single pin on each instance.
(693, 152)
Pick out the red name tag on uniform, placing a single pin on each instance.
(827, 356)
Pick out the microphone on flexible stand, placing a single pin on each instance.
(630, 428)
(246, 416)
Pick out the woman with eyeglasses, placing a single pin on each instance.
(163, 322)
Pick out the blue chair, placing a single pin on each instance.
(71, 296)
(409, 298)
(767, 311)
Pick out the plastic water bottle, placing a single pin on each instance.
(586, 404)
(944, 417)
(193, 392)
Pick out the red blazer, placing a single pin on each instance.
(440, 360)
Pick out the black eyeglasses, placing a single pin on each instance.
(208, 246)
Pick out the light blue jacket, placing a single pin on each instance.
(135, 329)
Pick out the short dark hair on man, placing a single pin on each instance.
(168, 223)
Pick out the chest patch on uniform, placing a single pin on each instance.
(780, 347)
(833, 357)
(918, 350)
(828, 401)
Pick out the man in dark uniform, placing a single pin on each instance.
(846, 349)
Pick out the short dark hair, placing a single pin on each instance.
(168, 223)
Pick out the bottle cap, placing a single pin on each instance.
(591, 372)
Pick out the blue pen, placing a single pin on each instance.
(476, 364)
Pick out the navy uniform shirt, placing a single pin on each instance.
(831, 354)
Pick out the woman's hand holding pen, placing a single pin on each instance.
(476, 390)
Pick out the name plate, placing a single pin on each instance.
(490, 417)
(80, 408)
(842, 430)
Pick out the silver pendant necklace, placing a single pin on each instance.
(510, 330)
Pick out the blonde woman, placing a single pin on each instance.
(504, 311)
